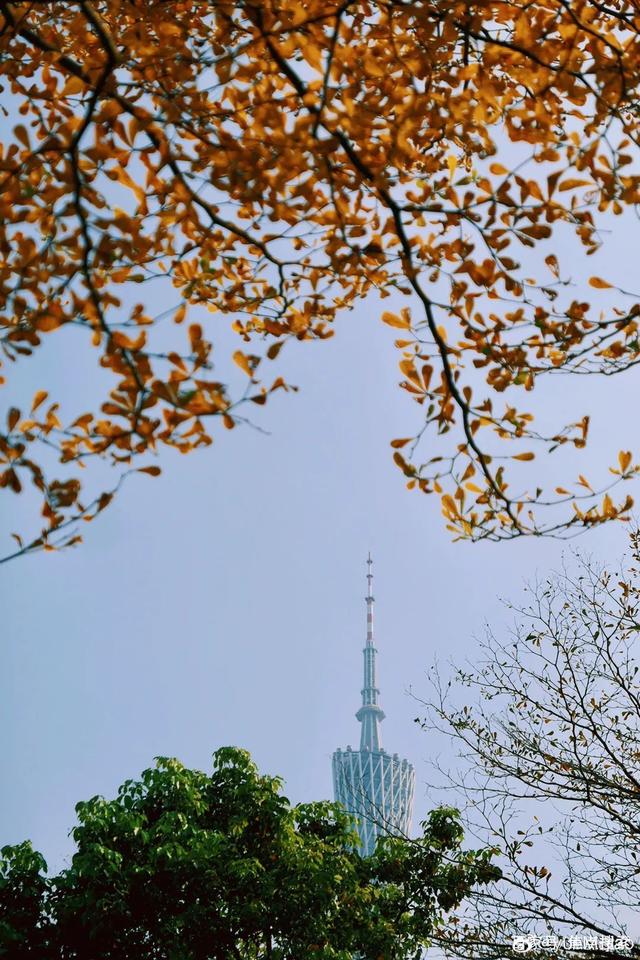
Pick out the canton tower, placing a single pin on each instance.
(376, 787)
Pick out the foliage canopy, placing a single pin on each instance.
(275, 162)
(185, 865)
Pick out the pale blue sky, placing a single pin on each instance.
(223, 602)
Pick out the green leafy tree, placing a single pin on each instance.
(23, 921)
(188, 865)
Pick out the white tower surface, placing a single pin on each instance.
(373, 785)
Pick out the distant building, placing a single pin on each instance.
(375, 786)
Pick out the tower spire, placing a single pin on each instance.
(370, 713)
(373, 785)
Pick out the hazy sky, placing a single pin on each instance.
(223, 603)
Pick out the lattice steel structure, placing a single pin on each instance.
(372, 784)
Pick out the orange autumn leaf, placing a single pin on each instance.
(39, 397)
(393, 320)
(242, 361)
(624, 459)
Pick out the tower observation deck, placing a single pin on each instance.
(375, 786)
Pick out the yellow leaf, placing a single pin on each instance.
(73, 85)
(552, 263)
(572, 184)
(393, 320)
(624, 459)
(498, 169)
(397, 444)
(524, 456)
(125, 179)
(275, 349)
(83, 421)
(39, 397)
(598, 283)
(168, 30)
(449, 506)
(48, 322)
(12, 417)
(409, 370)
(452, 163)
(21, 134)
(242, 362)
(103, 501)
